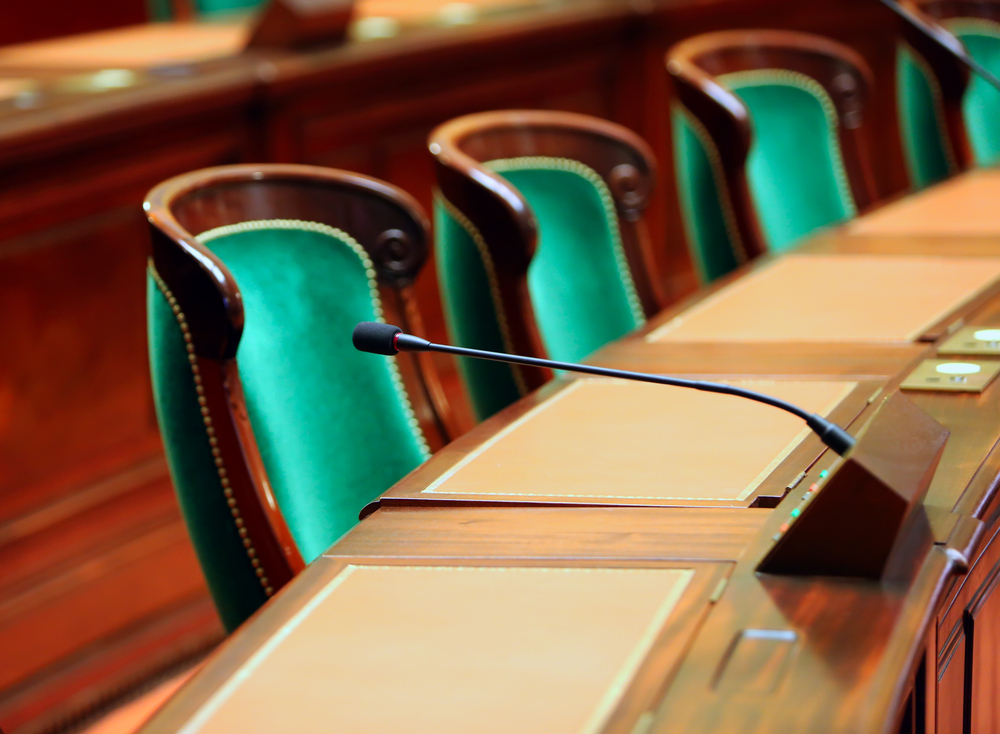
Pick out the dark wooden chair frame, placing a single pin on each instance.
(504, 218)
(387, 222)
(693, 66)
(949, 74)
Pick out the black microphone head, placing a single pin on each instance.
(371, 336)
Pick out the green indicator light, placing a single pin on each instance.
(824, 474)
(796, 512)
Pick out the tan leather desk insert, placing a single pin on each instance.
(835, 298)
(964, 206)
(441, 649)
(612, 440)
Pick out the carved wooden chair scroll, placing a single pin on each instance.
(541, 246)
(770, 141)
(947, 117)
(276, 430)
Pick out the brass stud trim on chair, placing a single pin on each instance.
(534, 163)
(785, 77)
(206, 418)
(718, 173)
(491, 276)
(300, 225)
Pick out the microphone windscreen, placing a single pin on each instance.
(371, 336)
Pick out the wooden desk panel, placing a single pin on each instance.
(135, 47)
(651, 446)
(963, 206)
(457, 646)
(777, 361)
(653, 533)
(835, 298)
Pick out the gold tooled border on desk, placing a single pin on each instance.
(612, 694)
(433, 488)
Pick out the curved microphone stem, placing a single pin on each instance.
(386, 339)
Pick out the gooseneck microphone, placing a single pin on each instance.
(946, 40)
(378, 338)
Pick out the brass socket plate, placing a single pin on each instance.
(973, 340)
(952, 375)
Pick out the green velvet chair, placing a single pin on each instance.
(177, 9)
(770, 141)
(948, 118)
(276, 430)
(540, 244)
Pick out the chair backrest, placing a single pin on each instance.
(770, 141)
(277, 431)
(947, 117)
(161, 10)
(541, 247)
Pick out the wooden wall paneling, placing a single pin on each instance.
(950, 696)
(103, 587)
(85, 685)
(24, 22)
(982, 623)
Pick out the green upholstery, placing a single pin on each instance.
(334, 426)
(921, 116)
(981, 103)
(701, 187)
(163, 10)
(470, 311)
(159, 10)
(215, 7)
(231, 579)
(921, 119)
(796, 187)
(799, 186)
(580, 285)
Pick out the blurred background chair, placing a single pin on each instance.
(188, 9)
(769, 141)
(276, 430)
(540, 246)
(947, 117)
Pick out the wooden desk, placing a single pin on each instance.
(86, 507)
(740, 651)
(964, 206)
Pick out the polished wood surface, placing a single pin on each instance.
(773, 652)
(409, 627)
(557, 453)
(78, 151)
(836, 298)
(959, 207)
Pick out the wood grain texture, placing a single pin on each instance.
(76, 164)
(696, 534)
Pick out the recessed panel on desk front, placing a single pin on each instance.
(456, 648)
(835, 298)
(602, 441)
